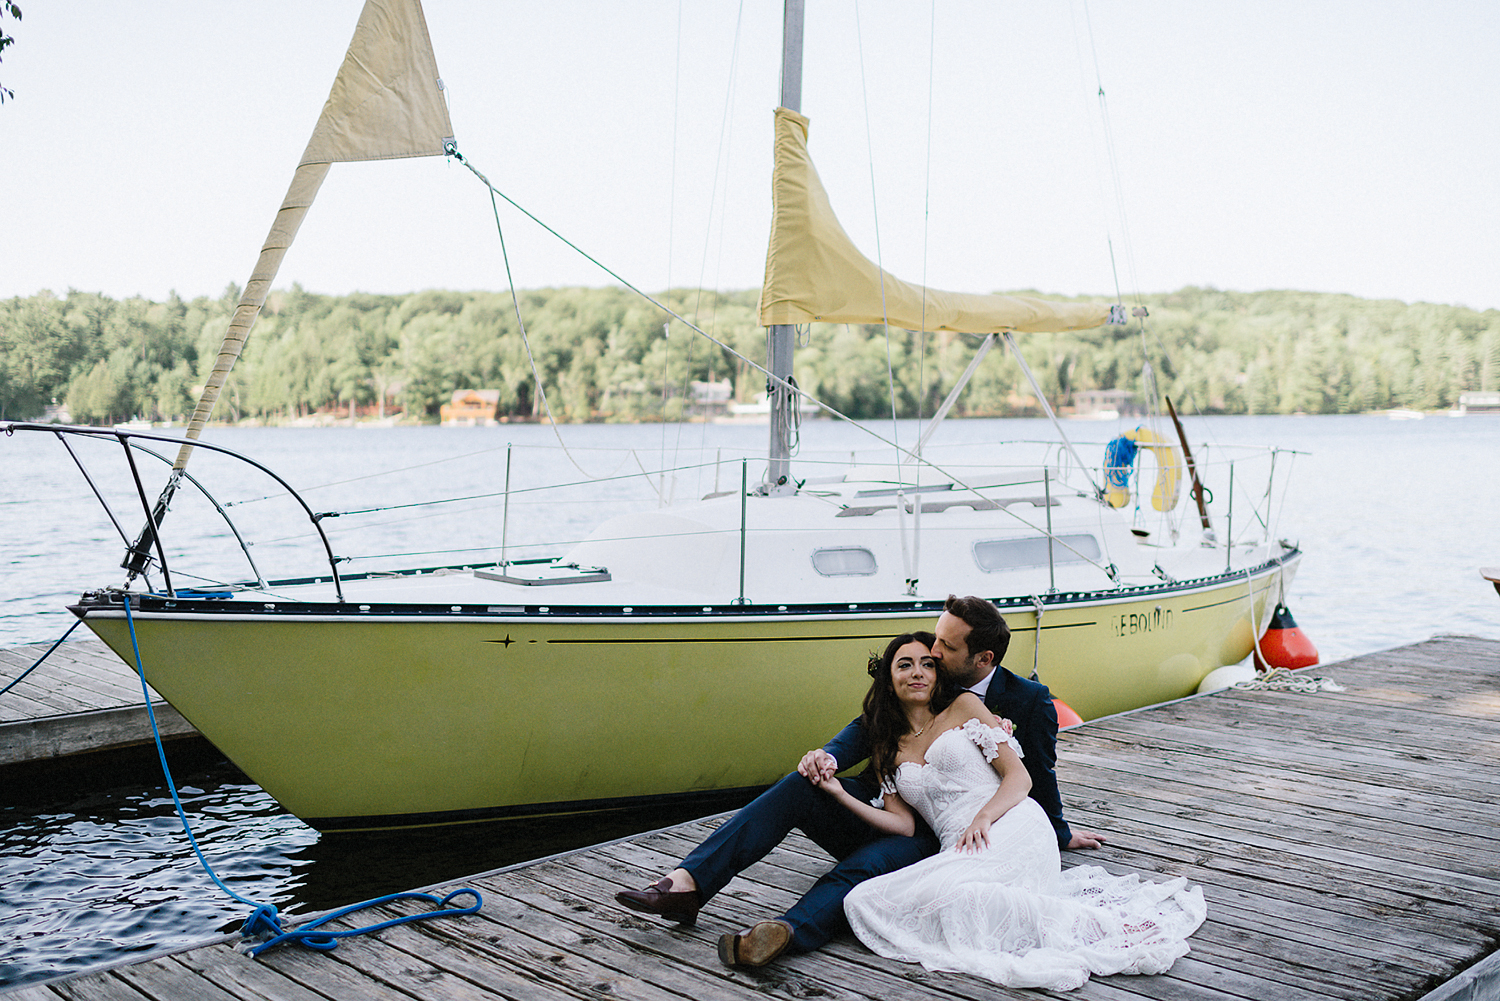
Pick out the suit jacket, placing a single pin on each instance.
(1027, 704)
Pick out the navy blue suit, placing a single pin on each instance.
(1027, 704)
(862, 851)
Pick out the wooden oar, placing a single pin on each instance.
(1187, 454)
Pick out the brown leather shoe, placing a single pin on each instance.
(756, 945)
(660, 899)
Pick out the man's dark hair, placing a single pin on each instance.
(987, 628)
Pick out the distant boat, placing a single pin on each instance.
(1405, 415)
(701, 646)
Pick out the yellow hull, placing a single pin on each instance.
(378, 720)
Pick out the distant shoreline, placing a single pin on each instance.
(601, 355)
(331, 421)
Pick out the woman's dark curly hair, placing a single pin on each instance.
(885, 721)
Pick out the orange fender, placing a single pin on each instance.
(1284, 645)
(1066, 717)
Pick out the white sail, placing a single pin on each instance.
(386, 103)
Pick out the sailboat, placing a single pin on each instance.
(696, 648)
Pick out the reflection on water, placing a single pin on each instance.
(89, 874)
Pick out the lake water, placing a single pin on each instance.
(1395, 518)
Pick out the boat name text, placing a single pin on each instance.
(1132, 623)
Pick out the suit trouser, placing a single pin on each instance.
(794, 802)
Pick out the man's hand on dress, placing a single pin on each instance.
(817, 766)
(1086, 839)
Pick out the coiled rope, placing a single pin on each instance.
(1119, 463)
(1279, 679)
(264, 922)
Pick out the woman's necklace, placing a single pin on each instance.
(924, 726)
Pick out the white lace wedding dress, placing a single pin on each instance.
(1009, 913)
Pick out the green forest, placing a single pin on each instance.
(608, 355)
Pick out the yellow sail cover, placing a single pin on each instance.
(815, 273)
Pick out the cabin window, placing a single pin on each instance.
(844, 561)
(1012, 554)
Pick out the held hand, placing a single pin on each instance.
(817, 766)
(833, 787)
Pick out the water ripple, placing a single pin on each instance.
(111, 872)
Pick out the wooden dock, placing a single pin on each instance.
(1348, 845)
(82, 698)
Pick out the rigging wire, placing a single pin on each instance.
(376, 475)
(666, 381)
(926, 217)
(1106, 140)
(1112, 155)
(676, 102)
(515, 301)
(671, 216)
(772, 379)
(890, 374)
(1150, 390)
(916, 559)
(720, 194)
(518, 490)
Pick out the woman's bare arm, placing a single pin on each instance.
(895, 818)
(1015, 785)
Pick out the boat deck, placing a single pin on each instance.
(1347, 844)
(82, 698)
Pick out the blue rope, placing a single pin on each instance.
(264, 919)
(1119, 461)
(324, 941)
(43, 657)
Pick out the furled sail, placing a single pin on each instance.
(386, 103)
(815, 273)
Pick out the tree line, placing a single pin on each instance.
(608, 355)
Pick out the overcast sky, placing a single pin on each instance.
(1338, 147)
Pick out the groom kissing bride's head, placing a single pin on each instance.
(972, 638)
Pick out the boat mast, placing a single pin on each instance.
(781, 338)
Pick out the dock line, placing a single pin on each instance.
(264, 921)
(17, 679)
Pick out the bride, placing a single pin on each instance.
(994, 902)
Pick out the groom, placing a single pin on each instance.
(971, 640)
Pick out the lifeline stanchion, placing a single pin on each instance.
(264, 922)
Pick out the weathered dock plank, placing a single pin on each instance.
(223, 968)
(81, 699)
(1346, 842)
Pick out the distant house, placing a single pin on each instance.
(471, 408)
(1104, 404)
(759, 412)
(1479, 403)
(709, 399)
